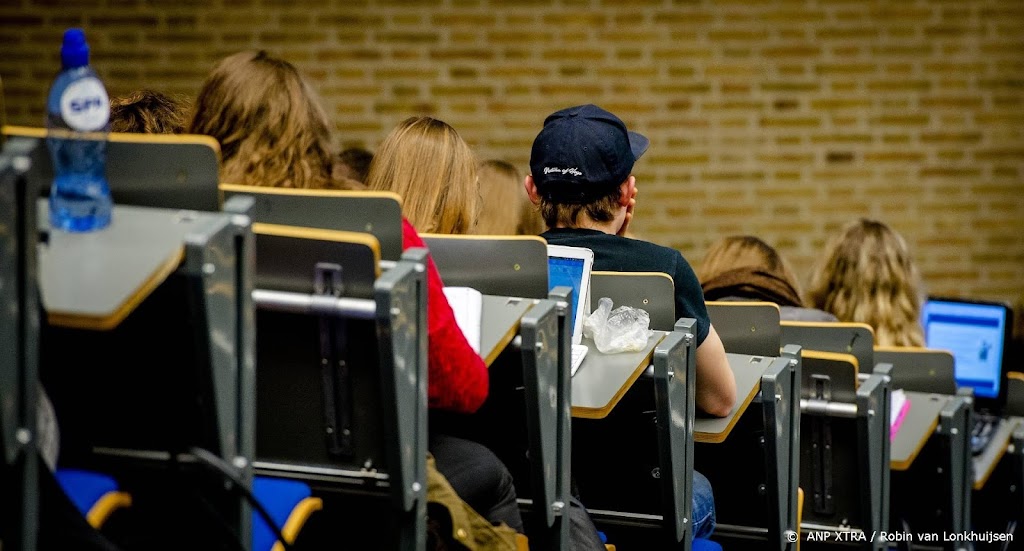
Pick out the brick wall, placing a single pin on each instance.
(781, 118)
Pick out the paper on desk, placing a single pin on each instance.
(468, 305)
(898, 407)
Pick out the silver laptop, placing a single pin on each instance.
(571, 267)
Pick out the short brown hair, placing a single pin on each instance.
(426, 162)
(147, 112)
(567, 215)
(270, 125)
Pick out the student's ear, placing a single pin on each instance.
(531, 189)
(627, 191)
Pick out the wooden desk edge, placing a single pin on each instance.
(718, 438)
(112, 320)
(895, 465)
(504, 340)
(602, 412)
(980, 482)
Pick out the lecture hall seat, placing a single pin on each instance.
(290, 504)
(1015, 393)
(95, 495)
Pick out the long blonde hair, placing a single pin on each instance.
(270, 125)
(868, 276)
(506, 208)
(426, 162)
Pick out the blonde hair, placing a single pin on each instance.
(868, 276)
(426, 162)
(506, 208)
(745, 251)
(270, 125)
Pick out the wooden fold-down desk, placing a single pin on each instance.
(986, 461)
(603, 379)
(920, 423)
(499, 324)
(107, 281)
(94, 280)
(748, 371)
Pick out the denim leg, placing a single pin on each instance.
(703, 507)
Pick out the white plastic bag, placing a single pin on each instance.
(624, 329)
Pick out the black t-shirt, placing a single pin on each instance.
(613, 253)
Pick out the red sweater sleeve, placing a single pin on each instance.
(457, 377)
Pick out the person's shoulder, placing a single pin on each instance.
(658, 253)
(796, 313)
(410, 237)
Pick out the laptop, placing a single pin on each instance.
(977, 333)
(571, 267)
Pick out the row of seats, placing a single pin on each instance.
(162, 325)
(309, 282)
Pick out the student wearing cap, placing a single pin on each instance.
(581, 178)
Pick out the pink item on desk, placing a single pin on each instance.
(901, 405)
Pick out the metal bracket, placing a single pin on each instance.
(821, 449)
(336, 381)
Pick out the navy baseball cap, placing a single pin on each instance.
(582, 153)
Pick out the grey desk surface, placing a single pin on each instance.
(748, 371)
(499, 324)
(919, 424)
(603, 379)
(94, 280)
(986, 461)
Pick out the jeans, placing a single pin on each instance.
(703, 507)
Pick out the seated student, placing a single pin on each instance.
(581, 163)
(353, 163)
(273, 133)
(418, 159)
(506, 209)
(743, 267)
(147, 112)
(867, 275)
(426, 162)
(270, 125)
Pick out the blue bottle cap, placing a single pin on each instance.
(75, 50)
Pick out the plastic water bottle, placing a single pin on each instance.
(78, 103)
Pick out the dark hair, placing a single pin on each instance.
(354, 163)
(147, 112)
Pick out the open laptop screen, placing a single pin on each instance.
(976, 334)
(567, 272)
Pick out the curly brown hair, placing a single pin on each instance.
(148, 112)
(270, 125)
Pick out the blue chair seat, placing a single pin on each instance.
(289, 504)
(701, 544)
(95, 495)
(85, 488)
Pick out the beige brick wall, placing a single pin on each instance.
(781, 118)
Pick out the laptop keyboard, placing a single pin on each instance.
(984, 427)
(579, 351)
